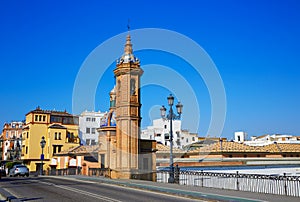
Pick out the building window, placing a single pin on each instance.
(88, 130)
(88, 141)
(93, 142)
(26, 150)
(54, 149)
(93, 130)
(27, 134)
(57, 148)
(119, 86)
(55, 119)
(57, 136)
(167, 136)
(40, 117)
(132, 86)
(193, 138)
(158, 135)
(88, 119)
(93, 119)
(187, 140)
(165, 126)
(70, 136)
(44, 118)
(36, 118)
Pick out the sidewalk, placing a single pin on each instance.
(203, 193)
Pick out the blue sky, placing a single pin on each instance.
(254, 45)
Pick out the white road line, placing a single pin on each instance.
(154, 192)
(104, 198)
(87, 193)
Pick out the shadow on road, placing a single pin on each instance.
(30, 199)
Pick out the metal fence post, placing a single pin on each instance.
(177, 169)
(285, 186)
(237, 181)
(202, 178)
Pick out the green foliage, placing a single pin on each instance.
(9, 165)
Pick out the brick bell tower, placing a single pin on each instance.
(128, 118)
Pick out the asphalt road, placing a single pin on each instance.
(53, 189)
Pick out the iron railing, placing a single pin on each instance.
(269, 184)
(77, 171)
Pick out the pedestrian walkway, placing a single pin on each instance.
(204, 193)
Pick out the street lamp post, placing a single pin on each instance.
(43, 143)
(171, 116)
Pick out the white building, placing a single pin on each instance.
(271, 139)
(88, 124)
(160, 131)
(240, 136)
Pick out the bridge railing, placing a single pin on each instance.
(77, 171)
(63, 171)
(97, 171)
(269, 184)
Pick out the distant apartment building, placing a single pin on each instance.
(11, 140)
(271, 139)
(60, 130)
(89, 121)
(160, 131)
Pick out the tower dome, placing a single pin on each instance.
(128, 56)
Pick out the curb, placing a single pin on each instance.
(8, 196)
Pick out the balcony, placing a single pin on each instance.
(75, 140)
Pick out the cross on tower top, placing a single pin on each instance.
(128, 25)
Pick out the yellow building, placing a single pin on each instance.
(60, 130)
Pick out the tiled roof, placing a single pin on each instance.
(163, 149)
(58, 126)
(82, 149)
(212, 148)
(280, 147)
(240, 147)
(53, 112)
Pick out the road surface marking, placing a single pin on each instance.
(104, 198)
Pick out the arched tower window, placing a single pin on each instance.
(132, 86)
(119, 87)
